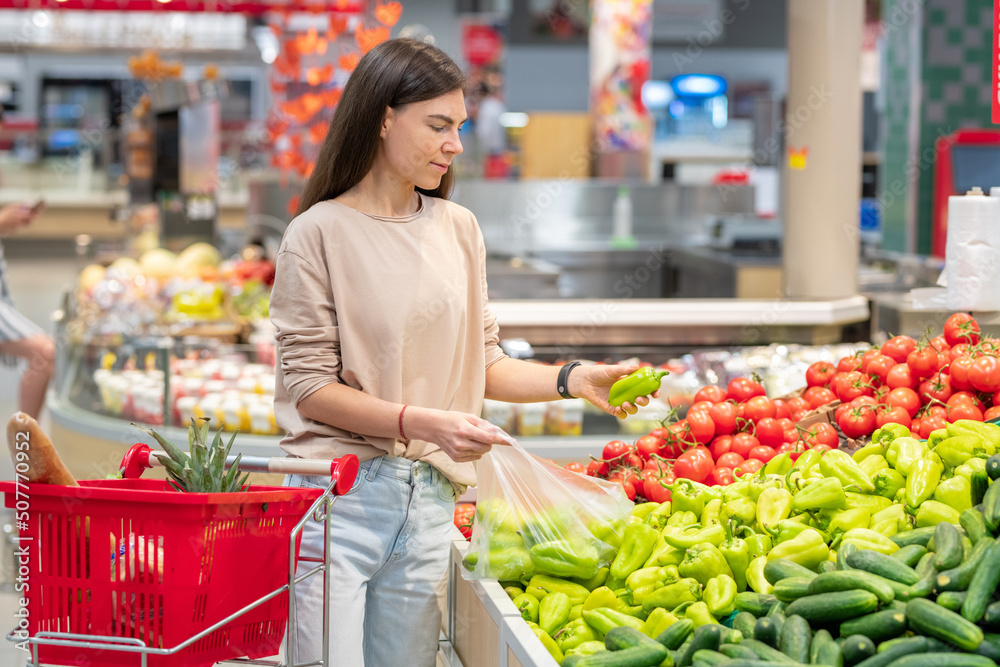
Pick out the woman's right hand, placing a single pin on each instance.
(463, 437)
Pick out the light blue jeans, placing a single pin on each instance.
(390, 536)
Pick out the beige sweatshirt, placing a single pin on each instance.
(394, 307)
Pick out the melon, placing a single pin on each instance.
(90, 276)
(158, 263)
(196, 257)
(124, 268)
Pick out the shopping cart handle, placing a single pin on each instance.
(136, 460)
(345, 469)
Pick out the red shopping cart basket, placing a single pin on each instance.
(133, 558)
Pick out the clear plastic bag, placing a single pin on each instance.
(534, 517)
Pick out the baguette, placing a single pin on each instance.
(25, 436)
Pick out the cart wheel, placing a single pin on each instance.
(345, 471)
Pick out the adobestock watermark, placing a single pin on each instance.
(24, 541)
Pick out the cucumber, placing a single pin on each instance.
(782, 568)
(879, 626)
(765, 652)
(900, 648)
(833, 607)
(796, 635)
(709, 658)
(624, 637)
(849, 580)
(933, 620)
(983, 585)
(991, 618)
(990, 503)
(857, 648)
(843, 552)
(827, 566)
(737, 651)
(778, 610)
(884, 566)
(637, 656)
(825, 651)
(943, 660)
(897, 605)
(928, 577)
(759, 663)
(959, 578)
(792, 588)
(952, 600)
(910, 555)
(757, 604)
(704, 637)
(947, 546)
(744, 622)
(919, 536)
(974, 524)
(676, 634)
(993, 466)
(768, 630)
(990, 647)
(980, 485)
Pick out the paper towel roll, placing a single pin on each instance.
(972, 252)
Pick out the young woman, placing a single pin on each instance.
(386, 349)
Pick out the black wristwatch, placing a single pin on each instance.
(562, 384)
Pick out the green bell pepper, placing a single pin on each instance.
(779, 465)
(970, 468)
(720, 595)
(643, 382)
(573, 634)
(873, 464)
(658, 517)
(936, 437)
(957, 449)
(609, 532)
(713, 535)
(673, 595)
(865, 538)
(761, 482)
(600, 597)
(549, 644)
(893, 512)
(824, 494)
(888, 482)
(562, 558)
(989, 433)
(787, 529)
(758, 544)
(739, 489)
(658, 549)
(932, 512)
(637, 545)
(682, 518)
(689, 496)
(955, 492)
(841, 466)
(773, 505)
(513, 591)
(699, 614)
(528, 606)
(643, 582)
(659, 620)
(711, 515)
(737, 555)
(542, 585)
(872, 449)
(504, 563)
(922, 481)
(741, 510)
(846, 520)
(872, 503)
(603, 620)
(755, 576)
(885, 435)
(553, 612)
(588, 648)
(888, 527)
(630, 610)
(595, 581)
(807, 460)
(642, 510)
(904, 452)
(702, 562)
(808, 549)
(575, 612)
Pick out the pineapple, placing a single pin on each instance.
(202, 470)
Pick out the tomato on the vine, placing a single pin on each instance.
(781, 409)
(723, 415)
(819, 374)
(930, 424)
(940, 343)
(961, 328)
(770, 432)
(758, 407)
(742, 444)
(822, 433)
(720, 445)
(652, 489)
(743, 389)
(905, 398)
(899, 347)
(729, 460)
(694, 464)
(923, 361)
(798, 403)
(857, 422)
(892, 414)
(763, 453)
(576, 466)
(900, 375)
(852, 385)
(648, 445)
(879, 367)
(991, 413)
(848, 364)
(964, 411)
(937, 387)
(960, 397)
(749, 467)
(615, 452)
(700, 406)
(818, 397)
(701, 427)
(985, 374)
(721, 476)
(710, 393)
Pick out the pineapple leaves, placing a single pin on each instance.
(203, 468)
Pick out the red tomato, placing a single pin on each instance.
(857, 422)
(597, 468)
(819, 374)
(848, 364)
(853, 384)
(931, 424)
(937, 387)
(822, 449)
(879, 366)
(614, 453)
(798, 403)
(785, 423)
(940, 344)
(905, 398)
(729, 460)
(959, 370)
(629, 489)
(991, 413)
(956, 351)
(762, 453)
(923, 361)
(701, 406)
(724, 417)
(899, 347)
(781, 409)
(721, 476)
(648, 445)
(961, 328)
(743, 443)
(985, 374)
(818, 397)
(939, 411)
(694, 464)
(822, 433)
(960, 397)
(759, 407)
(749, 467)
(901, 376)
(863, 400)
(869, 354)
(652, 490)
(701, 427)
(720, 445)
(710, 393)
(743, 389)
(576, 466)
(915, 424)
(789, 435)
(841, 409)
(895, 415)
(799, 415)
(770, 432)
(964, 411)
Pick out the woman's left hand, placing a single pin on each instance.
(594, 382)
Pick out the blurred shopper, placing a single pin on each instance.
(20, 338)
(386, 349)
(490, 133)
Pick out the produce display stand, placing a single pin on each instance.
(171, 545)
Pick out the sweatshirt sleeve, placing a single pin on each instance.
(305, 318)
(491, 329)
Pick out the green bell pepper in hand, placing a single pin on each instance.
(761, 482)
(885, 435)
(643, 582)
(702, 562)
(808, 549)
(553, 612)
(737, 555)
(637, 545)
(573, 634)
(957, 449)
(872, 449)
(720, 595)
(528, 606)
(773, 505)
(755, 576)
(713, 535)
(904, 452)
(839, 465)
(642, 382)
(711, 515)
(922, 481)
(673, 595)
(872, 464)
(824, 494)
(741, 510)
(955, 492)
(699, 614)
(600, 597)
(603, 620)
(989, 433)
(542, 585)
(888, 482)
(658, 620)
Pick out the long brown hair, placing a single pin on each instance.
(395, 73)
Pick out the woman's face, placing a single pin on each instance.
(420, 140)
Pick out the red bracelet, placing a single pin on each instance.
(402, 436)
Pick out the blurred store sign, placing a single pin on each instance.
(702, 21)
